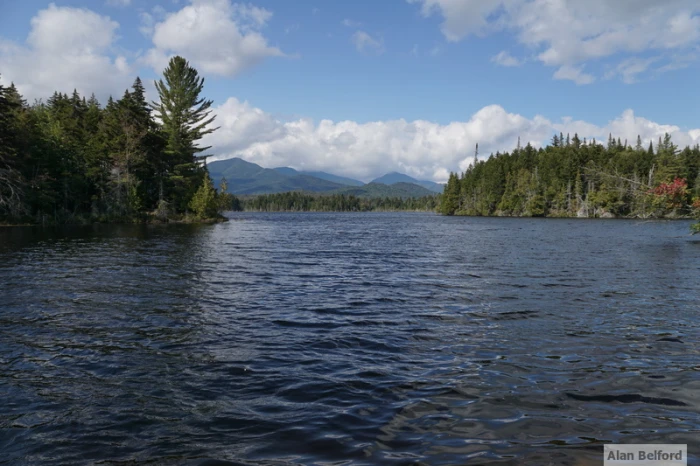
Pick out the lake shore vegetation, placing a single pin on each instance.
(577, 178)
(314, 202)
(70, 160)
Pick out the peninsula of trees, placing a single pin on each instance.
(578, 178)
(69, 160)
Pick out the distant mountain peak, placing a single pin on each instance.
(249, 178)
(396, 177)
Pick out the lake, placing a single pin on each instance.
(375, 338)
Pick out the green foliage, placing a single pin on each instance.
(226, 200)
(307, 202)
(69, 159)
(578, 178)
(450, 200)
(11, 183)
(204, 203)
(185, 119)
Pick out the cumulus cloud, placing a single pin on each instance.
(567, 33)
(148, 19)
(629, 69)
(67, 48)
(575, 74)
(505, 59)
(462, 17)
(422, 149)
(217, 36)
(367, 44)
(118, 3)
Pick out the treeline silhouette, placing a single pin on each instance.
(578, 178)
(305, 202)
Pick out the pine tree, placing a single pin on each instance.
(10, 180)
(204, 203)
(226, 199)
(576, 141)
(450, 198)
(185, 118)
(670, 166)
(555, 141)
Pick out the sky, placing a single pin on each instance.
(365, 87)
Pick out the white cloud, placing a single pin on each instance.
(217, 36)
(350, 23)
(574, 73)
(628, 126)
(367, 44)
(462, 17)
(292, 28)
(567, 33)
(629, 69)
(419, 148)
(148, 20)
(67, 48)
(505, 59)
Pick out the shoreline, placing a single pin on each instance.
(183, 221)
(573, 217)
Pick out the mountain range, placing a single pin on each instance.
(246, 178)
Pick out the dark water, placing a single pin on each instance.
(338, 339)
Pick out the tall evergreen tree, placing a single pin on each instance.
(185, 119)
(10, 179)
(450, 199)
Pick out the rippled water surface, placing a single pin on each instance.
(348, 339)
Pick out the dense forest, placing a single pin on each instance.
(306, 202)
(70, 160)
(579, 178)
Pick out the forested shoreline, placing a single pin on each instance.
(578, 178)
(306, 202)
(71, 160)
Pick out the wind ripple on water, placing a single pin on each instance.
(347, 339)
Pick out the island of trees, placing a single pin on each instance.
(579, 178)
(70, 160)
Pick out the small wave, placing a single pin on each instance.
(627, 398)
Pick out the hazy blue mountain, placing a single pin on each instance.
(239, 168)
(246, 178)
(335, 178)
(400, 189)
(322, 175)
(286, 171)
(249, 178)
(394, 177)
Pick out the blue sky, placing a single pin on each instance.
(364, 87)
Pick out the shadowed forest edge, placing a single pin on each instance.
(579, 178)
